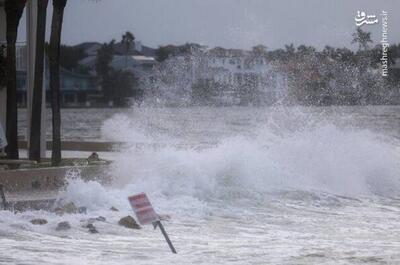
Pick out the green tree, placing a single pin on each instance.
(304, 50)
(103, 60)
(122, 83)
(290, 49)
(164, 52)
(14, 10)
(70, 57)
(128, 39)
(259, 50)
(54, 57)
(362, 38)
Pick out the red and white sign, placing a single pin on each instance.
(143, 209)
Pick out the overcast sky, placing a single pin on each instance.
(227, 23)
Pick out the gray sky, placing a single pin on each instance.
(227, 23)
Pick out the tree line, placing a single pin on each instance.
(117, 85)
(329, 76)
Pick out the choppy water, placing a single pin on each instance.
(253, 186)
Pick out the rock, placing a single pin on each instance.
(93, 157)
(39, 221)
(70, 208)
(63, 226)
(101, 219)
(82, 210)
(92, 228)
(88, 225)
(114, 209)
(129, 222)
(58, 211)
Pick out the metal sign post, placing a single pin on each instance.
(158, 223)
(146, 215)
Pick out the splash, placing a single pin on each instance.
(315, 156)
(327, 159)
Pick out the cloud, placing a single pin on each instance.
(229, 23)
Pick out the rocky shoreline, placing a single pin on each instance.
(88, 223)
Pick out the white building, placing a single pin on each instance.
(232, 77)
(140, 66)
(244, 70)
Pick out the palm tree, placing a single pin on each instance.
(290, 49)
(54, 56)
(128, 39)
(362, 38)
(14, 9)
(36, 119)
(3, 76)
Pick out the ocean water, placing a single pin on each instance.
(279, 185)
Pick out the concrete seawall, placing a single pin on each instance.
(39, 188)
(51, 178)
(81, 146)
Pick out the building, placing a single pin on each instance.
(77, 90)
(141, 66)
(245, 74)
(220, 77)
(91, 48)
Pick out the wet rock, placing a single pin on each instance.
(63, 226)
(128, 222)
(58, 211)
(82, 210)
(88, 225)
(114, 209)
(93, 157)
(70, 208)
(92, 228)
(101, 219)
(39, 221)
